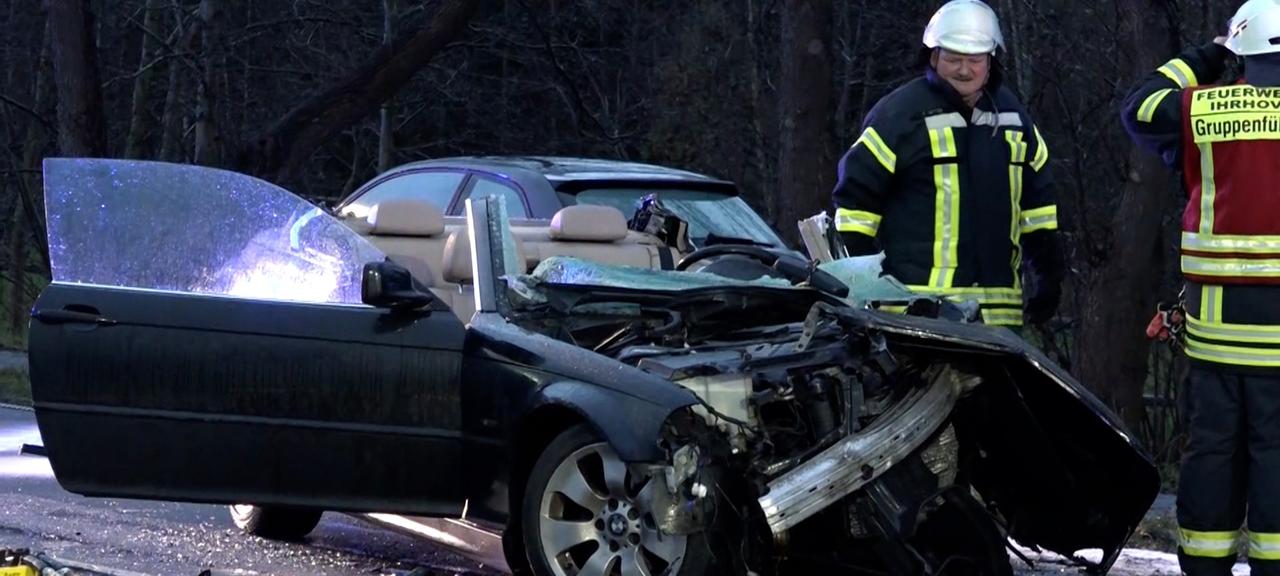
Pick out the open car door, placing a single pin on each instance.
(204, 339)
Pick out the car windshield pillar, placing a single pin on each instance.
(494, 258)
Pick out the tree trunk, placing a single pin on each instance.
(756, 110)
(25, 218)
(18, 274)
(280, 152)
(171, 118)
(806, 170)
(845, 131)
(1018, 54)
(386, 137)
(1122, 290)
(206, 145)
(140, 122)
(82, 129)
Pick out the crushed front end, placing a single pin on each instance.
(833, 438)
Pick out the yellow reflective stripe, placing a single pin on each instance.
(1207, 544)
(859, 221)
(1042, 152)
(875, 144)
(942, 142)
(1243, 333)
(1043, 218)
(1231, 243)
(946, 209)
(1147, 111)
(1180, 73)
(1264, 546)
(1017, 155)
(1009, 296)
(946, 225)
(1231, 267)
(1210, 303)
(951, 119)
(1208, 189)
(1235, 355)
(892, 309)
(1017, 148)
(1002, 316)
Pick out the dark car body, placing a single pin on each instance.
(233, 359)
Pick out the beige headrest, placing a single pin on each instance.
(457, 258)
(404, 217)
(588, 223)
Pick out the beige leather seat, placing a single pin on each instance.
(405, 230)
(458, 275)
(598, 234)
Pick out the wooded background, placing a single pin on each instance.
(321, 95)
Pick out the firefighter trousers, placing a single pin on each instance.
(1231, 472)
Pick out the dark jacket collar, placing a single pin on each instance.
(1263, 70)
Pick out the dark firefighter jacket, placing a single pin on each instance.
(953, 196)
(1225, 141)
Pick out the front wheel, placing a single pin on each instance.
(275, 523)
(585, 513)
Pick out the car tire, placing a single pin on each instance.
(275, 523)
(604, 523)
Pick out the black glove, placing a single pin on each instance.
(1043, 286)
(1215, 57)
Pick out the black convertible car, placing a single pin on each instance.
(210, 337)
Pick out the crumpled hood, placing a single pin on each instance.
(1058, 464)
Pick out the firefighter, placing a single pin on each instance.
(1225, 140)
(950, 179)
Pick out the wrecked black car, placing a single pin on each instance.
(210, 337)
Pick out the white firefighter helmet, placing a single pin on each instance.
(1255, 29)
(966, 27)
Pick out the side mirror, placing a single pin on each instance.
(389, 285)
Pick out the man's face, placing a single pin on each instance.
(967, 73)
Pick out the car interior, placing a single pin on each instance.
(436, 251)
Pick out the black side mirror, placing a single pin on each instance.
(389, 285)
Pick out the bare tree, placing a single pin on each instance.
(806, 173)
(386, 132)
(82, 129)
(281, 151)
(140, 118)
(1112, 352)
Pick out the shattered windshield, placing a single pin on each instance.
(862, 275)
(707, 213)
(183, 228)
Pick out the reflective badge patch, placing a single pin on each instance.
(18, 571)
(1234, 113)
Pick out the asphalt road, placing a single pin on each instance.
(177, 539)
(184, 539)
(10, 360)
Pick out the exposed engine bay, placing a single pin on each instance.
(821, 424)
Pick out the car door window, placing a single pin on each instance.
(488, 187)
(196, 230)
(436, 187)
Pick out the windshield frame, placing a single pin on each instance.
(680, 200)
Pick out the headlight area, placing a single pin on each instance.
(807, 450)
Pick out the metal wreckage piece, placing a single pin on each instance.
(860, 458)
